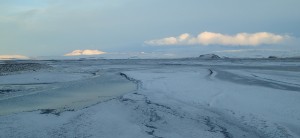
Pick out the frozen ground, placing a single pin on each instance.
(183, 98)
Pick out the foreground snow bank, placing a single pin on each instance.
(271, 112)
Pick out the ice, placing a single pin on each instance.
(70, 96)
(41, 77)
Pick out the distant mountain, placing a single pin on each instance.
(272, 57)
(209, 56)
(13, 57)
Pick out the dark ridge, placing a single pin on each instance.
(209, 56)
(216, 128)
(149, 126)
(272, 57)
(139, 83)
(3, 91)
(227, 76)
(49, 111)
(210, 72)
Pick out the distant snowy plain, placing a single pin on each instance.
(179, 98)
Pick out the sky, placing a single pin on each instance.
(35, 28)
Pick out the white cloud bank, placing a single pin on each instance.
(85, 52)
(211, 38)
(10, 57)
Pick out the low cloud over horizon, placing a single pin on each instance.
(10, 57)
(84, 52)
(211, 38)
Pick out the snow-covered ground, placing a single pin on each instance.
(183, 98)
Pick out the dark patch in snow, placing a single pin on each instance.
(27, 84)
(4, 91)
(172, 64)
(149, 126)
(216, 128)
(126, 99)
(154, 116)
(209, 124)
(152, 134)
(16, 67)
(137, 93)
(225, 132)
(272, 57)
(151, 131)
(49, 111)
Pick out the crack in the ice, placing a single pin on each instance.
(156, 104)
(216, 128)
(151, 111)
(210, 74)
(149, 126)
(152, 131)
(138, 82)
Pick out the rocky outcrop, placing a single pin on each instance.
(272, 57)
(209, 56)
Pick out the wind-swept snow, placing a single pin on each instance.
(171, 98)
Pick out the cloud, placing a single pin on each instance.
(85, 52)
(10, 57)
(211, 38)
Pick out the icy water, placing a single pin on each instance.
(71, 95)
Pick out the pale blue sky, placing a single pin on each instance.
(56, 27)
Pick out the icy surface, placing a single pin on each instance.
(153, 98)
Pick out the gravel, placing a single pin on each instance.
(9, 68)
